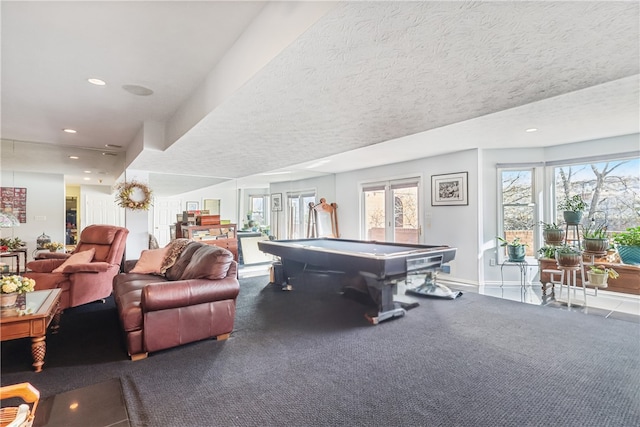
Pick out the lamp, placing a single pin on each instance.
(8, 220)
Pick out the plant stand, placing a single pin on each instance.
(575, 234)
(570, 280)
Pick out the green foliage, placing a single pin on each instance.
(573, 204)
(547, 226)
(547, 251)
(630, 237)
(593, 231)
(567, 249)
(515, 242)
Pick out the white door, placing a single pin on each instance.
(164, 216)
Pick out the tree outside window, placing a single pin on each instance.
(610, 189)
(518, 209)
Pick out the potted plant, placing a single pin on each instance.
(568, 256)
(515, 248)
(547, 251)
(552, 233)
(572, 208)
(628, 245)
(595, 238)
(598, 275)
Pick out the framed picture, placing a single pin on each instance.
(449, 189)
(193, 206)
(276, 202)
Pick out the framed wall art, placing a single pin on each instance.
(193, 206)
(449, 189)
(276, 202)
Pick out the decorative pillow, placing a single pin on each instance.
(83, 257)
(150, 261)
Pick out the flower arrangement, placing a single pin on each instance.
(53, 246)
(12, 244)
(19, 284)
(133, 195)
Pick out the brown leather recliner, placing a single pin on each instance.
(85, 282)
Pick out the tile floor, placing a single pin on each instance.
(613, 305)
(606, 304)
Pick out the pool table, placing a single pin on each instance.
(381, 264)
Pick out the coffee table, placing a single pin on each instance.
(41, 310)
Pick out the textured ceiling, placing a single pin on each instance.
(366, 83)
(372, 72)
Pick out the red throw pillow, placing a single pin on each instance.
(150, 261)
(83, 257)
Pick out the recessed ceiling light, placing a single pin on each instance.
(87, 171)
(96, 82)
(86, 178)
(67, 130)
(531, 130)
(109, 154)
(113, 146)
(74, 157)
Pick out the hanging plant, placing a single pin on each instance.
(134, 195)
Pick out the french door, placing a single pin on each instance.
(298, 213)
(391, 211)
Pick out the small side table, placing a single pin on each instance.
(522, 265)
(15, 253)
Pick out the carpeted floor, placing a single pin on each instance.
(309, 358)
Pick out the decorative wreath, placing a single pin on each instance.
(133, 195)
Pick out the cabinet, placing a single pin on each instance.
(223, 235)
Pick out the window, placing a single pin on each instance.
(518, 207)
(298, 213)
(258, 215)
(396, 200)
(610, 189)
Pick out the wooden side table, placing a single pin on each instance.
(41, 311)
(16, 254)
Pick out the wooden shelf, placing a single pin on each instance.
(222, 235)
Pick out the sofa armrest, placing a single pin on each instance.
(91, 267)
(182, 293)
(128, 265)
(45, 265)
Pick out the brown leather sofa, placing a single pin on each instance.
(194, 299)
(88, 279)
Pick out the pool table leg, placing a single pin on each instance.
(384, 292)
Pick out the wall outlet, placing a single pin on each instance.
(492, 262)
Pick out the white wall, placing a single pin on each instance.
(454, 226)
(45, 207)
